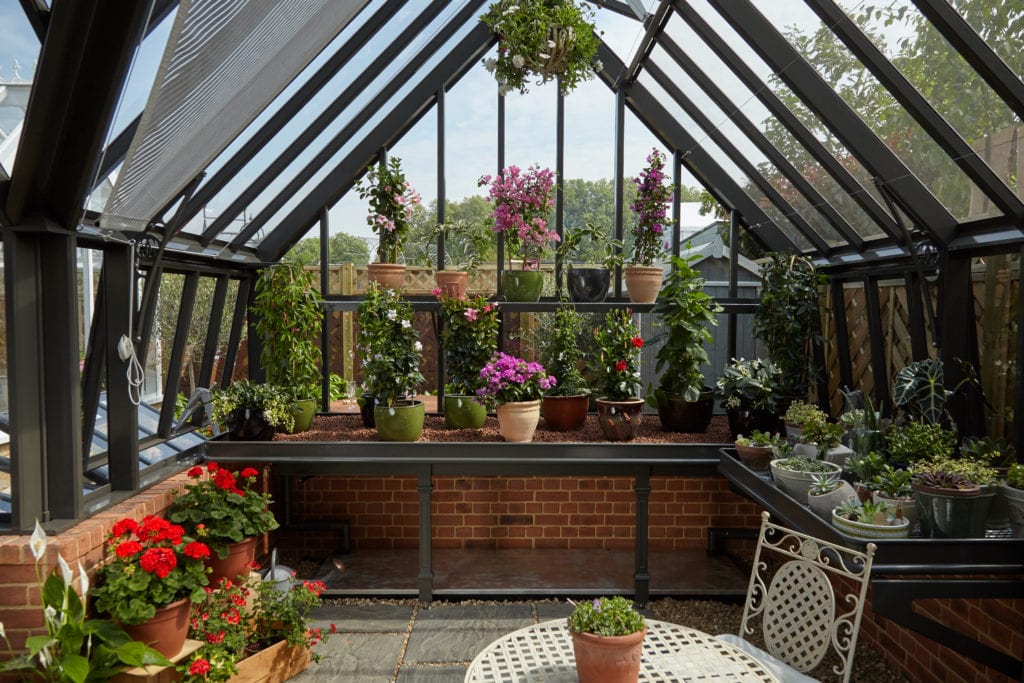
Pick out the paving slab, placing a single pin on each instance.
(432, 674)
(435, 646)
(355, 658)
(546, 611)
(488, 617)
(364, 618)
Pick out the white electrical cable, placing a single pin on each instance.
(125, 348)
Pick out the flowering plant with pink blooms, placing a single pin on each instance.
(650, 209)
(508, 379)
(522, 203)
(469, 333)
(392, 199)
(152, 563)
(221, 507)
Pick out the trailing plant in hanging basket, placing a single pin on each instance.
(542, 40)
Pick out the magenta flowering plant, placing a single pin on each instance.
(469, 333)
(508, 379)
(392, 199)
(522, 202)
(650, 209)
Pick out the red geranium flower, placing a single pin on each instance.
(195, 472)
(197, 550)
(638, 342)
(249, 472)
(620, 366)
(125, 526)
(200, 667)
(223, 479)
(127, 549)
(159, 561)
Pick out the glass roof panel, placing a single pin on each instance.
(782, 221)
(19, 51)
(746, 105)
(872, 102)
(1000, 24)
(947, 81)
(622, 34)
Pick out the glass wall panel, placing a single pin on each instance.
(19, 52)
(162, 340)
(948, 82)
(873, 103)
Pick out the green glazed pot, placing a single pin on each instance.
(463, 412)
(522, 285)
(402, 421)
(304, 410)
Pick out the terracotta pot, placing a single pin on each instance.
(565, 413)
(390, 275)
(643, 283)
(608, 659)
(755, 457)
(166, 631)
(517, 421)
(620, 420)
(452, 282)
(240, 557)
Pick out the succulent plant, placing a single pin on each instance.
(823, 484)
(804, 465)
(942, 480)
(758, 438)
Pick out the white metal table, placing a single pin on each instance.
(542, 653)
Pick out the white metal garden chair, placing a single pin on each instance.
(812, 601)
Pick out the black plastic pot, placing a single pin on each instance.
(248, 425)
(678, 415)
(742, 421)
(588, 285)
(366, 404)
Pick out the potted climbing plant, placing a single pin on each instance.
(651, 221)
(288, 316)
(465, 244)
(542, 40)
(392, 200)
(564, 406)
(684, 311)
(469, 334)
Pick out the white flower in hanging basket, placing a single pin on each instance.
(546, 39)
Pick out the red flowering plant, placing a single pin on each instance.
(238, 619)
(152, 564)
(620, 345)
(221, 507)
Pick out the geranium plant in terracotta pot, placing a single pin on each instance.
(515, 386)
(392, 199)
(152, 573)
(223, 508)
(469, 335)
(75, 647)
(651, 221)
(607, 640)
(619, 405)
(542, 40)
(522, 203)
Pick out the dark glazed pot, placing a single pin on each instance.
(588, 285)
(744, 422)
(619, 420)
(366, 404)
(248, 425)
(691, 417)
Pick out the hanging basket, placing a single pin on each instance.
(557, 57)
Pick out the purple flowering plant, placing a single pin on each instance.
(392, 199)
(522, 203)
(650, 209)
(508, 379)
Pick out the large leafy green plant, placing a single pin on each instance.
(561, 352)
(271, 400)
(389, 346)
(684, 311)
(607, 250)
(920, 390)
(288, 321)
(75, 648)
(749, 384)
(787, 319)
(469, 333)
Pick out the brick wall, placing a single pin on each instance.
(516, 512)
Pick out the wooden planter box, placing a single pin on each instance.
(276, 664)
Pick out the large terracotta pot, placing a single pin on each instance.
(620, 420)
(452, 282)
(166, 631)
(463, 412)
(565, 413)
(237, 563)
(517, 420)
(390, 275)
(608, 659)
(643, 283)
(402, 421)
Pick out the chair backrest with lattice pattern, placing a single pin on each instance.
(813, 600)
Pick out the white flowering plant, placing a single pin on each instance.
(542, 39)
(74, 648)
(389, 346)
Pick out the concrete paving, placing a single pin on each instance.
(410, 643)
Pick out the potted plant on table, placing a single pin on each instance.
(469, 334)
(870, 520)
(391, 353)
(824, 439)
(619, 406)
(392, 199)
(607, 640)
(564, 406)
(587, 283)
(465, 244)
(75, 648)
(543, 40)
(522, 202)
(954, 497)
(748, 390)
(788, 320)
(794, 475)
(892, 486)
(915, 441)
(826, 492)
(515, 387)
(757, 450)
(1013, 492)
(650, 212)
(253, 412)
(288, 316)
(862, 470)
(684, 311)
(222, 508)
(152, 573)
(798, 415)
